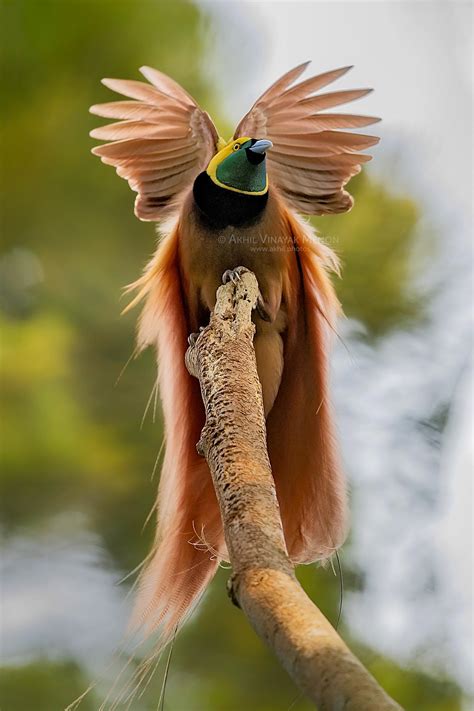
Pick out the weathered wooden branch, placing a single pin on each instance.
(263, 583)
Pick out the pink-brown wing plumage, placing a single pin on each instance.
(322, 157)
(162, 141)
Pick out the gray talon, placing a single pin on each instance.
(233, 275)
(192, 338)
(229, 275)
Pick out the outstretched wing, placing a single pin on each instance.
(311, 160)
(161, 143)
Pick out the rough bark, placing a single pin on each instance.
(263, 583)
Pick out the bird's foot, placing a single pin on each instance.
(192, 338)
(233, 275)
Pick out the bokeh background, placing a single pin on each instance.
(76, 460)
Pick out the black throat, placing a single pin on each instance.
(220, 207)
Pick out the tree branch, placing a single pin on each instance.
(263, 582)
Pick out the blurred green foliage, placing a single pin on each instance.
(71, 439)
(42, 686)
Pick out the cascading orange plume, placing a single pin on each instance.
(220, 217)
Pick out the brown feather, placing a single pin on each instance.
(139, 147)
(320, 122)
(280, 84)
(167, 85)
(308, 86)
(135, 110)
(164, 141)
(129, 130)
(302, 138)
(181, 565)
(300, 429)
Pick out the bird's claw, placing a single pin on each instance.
(233, 275)
(192, 338)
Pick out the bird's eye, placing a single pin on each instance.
(236, 146)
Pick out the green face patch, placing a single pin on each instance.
(239, 173)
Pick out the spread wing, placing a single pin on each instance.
(162, 141)
(312, 159)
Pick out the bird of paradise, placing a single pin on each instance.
(228, 204)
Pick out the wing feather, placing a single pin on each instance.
(162, 141)
(134, 110)
(128, 130)
(312, 158)
(126, 148)
(280, 84)
(309, 86)
(167, 85)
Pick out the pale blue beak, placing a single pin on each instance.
(261, 146)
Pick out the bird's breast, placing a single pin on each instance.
(219, 207)
(206, 252)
